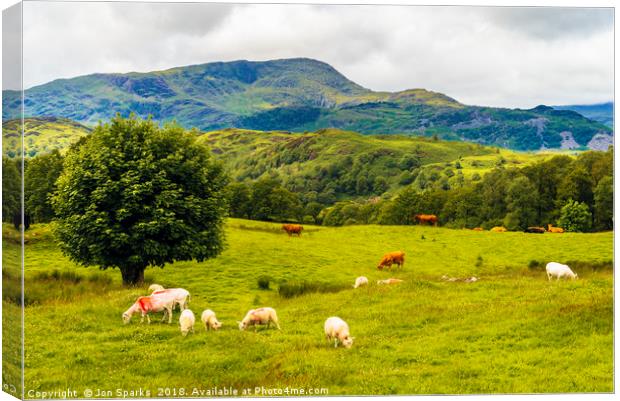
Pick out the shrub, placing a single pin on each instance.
(534, 264)
(291, 289)
(263, 282)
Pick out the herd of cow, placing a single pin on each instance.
(432, 219)
(165, 300)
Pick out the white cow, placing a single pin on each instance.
(559, 270)
(338, 329)
(180, 296)
(258, 316)
(209, 320)
(360, 281)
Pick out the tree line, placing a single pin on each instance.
(575, 193)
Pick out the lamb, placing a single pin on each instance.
(258, 316)
(209, 320)
(145, 305)
(338, 329)
(155, 287)
(559, 270)
(181, 296)
(360, 281)
(186, 321)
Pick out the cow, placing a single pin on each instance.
(293, 229)
(397, 257)
(559, 270)
(552, 229)
(478, 229)
(535, 230)
(498, 229)
(426, 218)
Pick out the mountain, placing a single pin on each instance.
(602, 112)
(41, 135)
(297, 95)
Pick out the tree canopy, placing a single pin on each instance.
(135, 195)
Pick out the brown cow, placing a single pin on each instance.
(397, 258)
(555, 229)
(535, 230)
(478, 229)
(293, 229)
(426, 218)
(499, 229)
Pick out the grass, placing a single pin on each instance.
(510, 332)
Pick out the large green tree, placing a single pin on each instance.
(136, 195)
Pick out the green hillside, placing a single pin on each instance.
(339, 159)
(41, 135)
(510, 332)
(297, 95)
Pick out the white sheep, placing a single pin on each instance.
(186, 321)
(209, 320)
(389, 281)
(559, 270)
(146, 305)
(338, 329)
(258, 316)
(180, 296)
(360, 281)
(155, 287)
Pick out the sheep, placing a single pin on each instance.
(181, 296)
(338, 329)
(155, 287)
(360, 281)
(559, 270)
(389, 281)
(145, 305)
(209, 320)
(255, 317)
(186, 321)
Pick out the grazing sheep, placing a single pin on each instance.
(389, 281)
(155, 287)
(360, 281)
(180, 296)
(559, 270)
(338, 329)
(258, 316)
(209, 320)
(186, 321)
(146, 305)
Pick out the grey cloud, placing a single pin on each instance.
(11, 48)
(488, 56)
(552, 22)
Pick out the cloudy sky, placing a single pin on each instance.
(496, 56)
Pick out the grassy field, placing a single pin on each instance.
(510, 332)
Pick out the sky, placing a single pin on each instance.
(492, 56)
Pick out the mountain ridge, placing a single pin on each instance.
(298, 94)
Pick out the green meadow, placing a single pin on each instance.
(512, 331)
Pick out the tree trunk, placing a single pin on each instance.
(132, 276)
